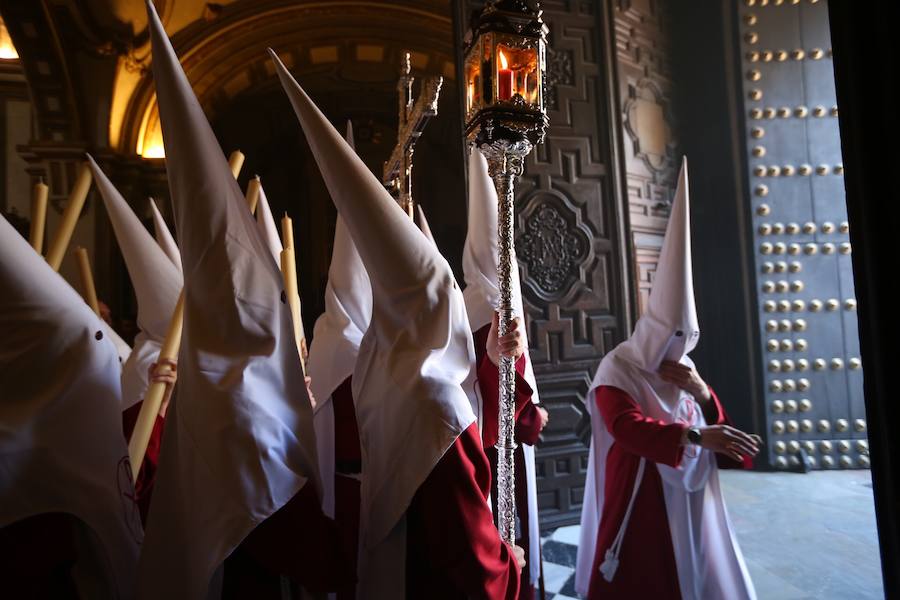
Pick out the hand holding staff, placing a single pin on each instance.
(153, 398)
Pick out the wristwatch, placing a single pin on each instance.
(693, 436)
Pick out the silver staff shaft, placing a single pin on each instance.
(505, 163)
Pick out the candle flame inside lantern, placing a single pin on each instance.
(504, 63)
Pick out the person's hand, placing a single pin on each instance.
(105, 312)
(729, 441)
(545, 416)
(686, 378)
(166, 372)
(304, 350)
(511, 345)
(519, 553)
(312, 399)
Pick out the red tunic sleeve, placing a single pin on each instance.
(638, 434)
(144, 479)
(300, 542)
(715, 414)
(454, 549)
(528, 425)
(489, 385)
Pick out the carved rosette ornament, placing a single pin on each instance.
(552, 250)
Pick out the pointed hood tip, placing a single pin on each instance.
(348, 135)
(156, 280)
(350, 182)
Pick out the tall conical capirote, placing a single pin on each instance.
(239, 440)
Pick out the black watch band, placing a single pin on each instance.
(693, 436)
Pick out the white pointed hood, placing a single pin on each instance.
(157, 283)
(123, 350)
(480, 262)
(265, 223)
(480, 252)
(164, 236)
(348, 311)
(337, 335)
(61, 444)
(422, 222)
(239, 442)
(668, 330)
(416, 353)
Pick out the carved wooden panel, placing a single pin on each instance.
(650, 158)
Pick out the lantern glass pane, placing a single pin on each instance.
(473, 86)
(517, 74)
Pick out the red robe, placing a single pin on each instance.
(528, 429)
(37, 555)
(347, 459)
(647, 545)
(453, 550)
(297, 542)
(254, 569)
(146, 475)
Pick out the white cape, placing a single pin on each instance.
(413, 358)
(239, 441)
(61, 443)
(709, 562)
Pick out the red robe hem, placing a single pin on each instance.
(453, 548)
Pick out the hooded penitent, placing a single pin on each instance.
(482, 294)
(61, 444)
(157, 283)
(407, 383)
(336, 339)
(164, 236)
(265, 223)
(239, 442)
(710, 564)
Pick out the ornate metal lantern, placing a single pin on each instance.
(504, 73)
(505, 116)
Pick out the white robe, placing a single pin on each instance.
(708, 560)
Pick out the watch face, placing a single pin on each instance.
(693, 435)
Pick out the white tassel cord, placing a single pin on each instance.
(611, 559)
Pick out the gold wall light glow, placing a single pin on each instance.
(7, 49)
(150, 142)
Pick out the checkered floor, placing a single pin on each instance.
(560, 547)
